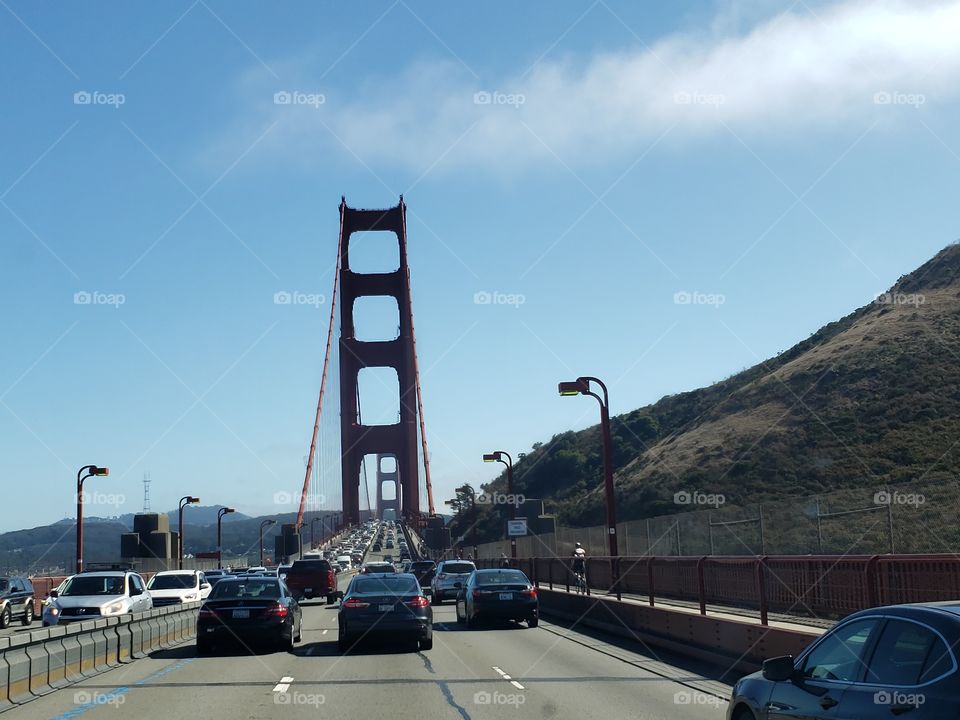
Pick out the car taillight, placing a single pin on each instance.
(354, 603)
(419, 602)
(279, 610)
(331, 579)
(476, 594)
(208, 613)
(530, 592)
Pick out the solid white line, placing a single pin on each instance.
(283, 685)
(517, 685)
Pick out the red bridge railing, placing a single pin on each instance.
(819, 586)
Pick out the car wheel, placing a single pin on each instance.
(426, 643)
(331, 599)
(459, 616)
(744, 713)
(343, 640)
(5, 617)
(533, 622)
(28, 614)
(436, 599)
(470, 621)
(299, 636)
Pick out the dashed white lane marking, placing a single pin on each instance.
(324, 632)
(517, 685)
(505, 676)
(283, 685)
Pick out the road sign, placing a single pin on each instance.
(517, 528)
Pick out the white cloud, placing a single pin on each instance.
(795, 70)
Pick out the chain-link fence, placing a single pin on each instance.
(920, 517)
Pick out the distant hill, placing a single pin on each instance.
(868, 400)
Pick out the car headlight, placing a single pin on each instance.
(53, 609)
(114, 608)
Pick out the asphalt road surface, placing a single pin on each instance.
(499, 671)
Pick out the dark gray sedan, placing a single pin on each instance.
(884, 662)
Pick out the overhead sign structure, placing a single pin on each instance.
(517, 528)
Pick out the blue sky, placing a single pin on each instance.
(777, 163)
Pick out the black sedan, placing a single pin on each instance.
(390, 605)
(879, 663)
(251, 610)
(498, 594)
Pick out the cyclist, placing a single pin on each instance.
(580, 566)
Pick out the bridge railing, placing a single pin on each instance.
(815, 586)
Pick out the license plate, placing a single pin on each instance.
(386, 608)
(241, 614)
(506, 596)
(308, 589)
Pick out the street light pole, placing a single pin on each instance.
(220, 513)
(581, 386)
(498, 456)
(313, 522)
(184, 501)
(262, 526)
(82, 474)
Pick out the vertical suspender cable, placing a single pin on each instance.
(416, 371)
(323, 381)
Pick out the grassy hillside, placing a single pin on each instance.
(869, 400)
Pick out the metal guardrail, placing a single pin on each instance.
(827, 586)
(41, 661)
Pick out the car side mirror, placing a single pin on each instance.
(205, 586)
(135, 591)
(779, 669)
(53, 593)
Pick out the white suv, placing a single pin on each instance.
(172, 587)
(91, 595)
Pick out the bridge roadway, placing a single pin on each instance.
(493, 672)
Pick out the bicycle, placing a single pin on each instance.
(580, 582)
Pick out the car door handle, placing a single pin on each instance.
(901, 708)
(827, 702)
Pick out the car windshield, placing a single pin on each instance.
(385, 585)
(172, 582)
(458, 568)
(501, 577)
(3, 584)
(244, 588)
(93, 585)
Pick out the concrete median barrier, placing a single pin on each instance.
(39, 654)
(5, 703)
(57, 658)
(18, 662)
(726, 642)
(124, 639)
(72, 654)
(88, 649)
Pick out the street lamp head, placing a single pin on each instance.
(192, 500)
(99, 471)
(492, 457)
(575, 387)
